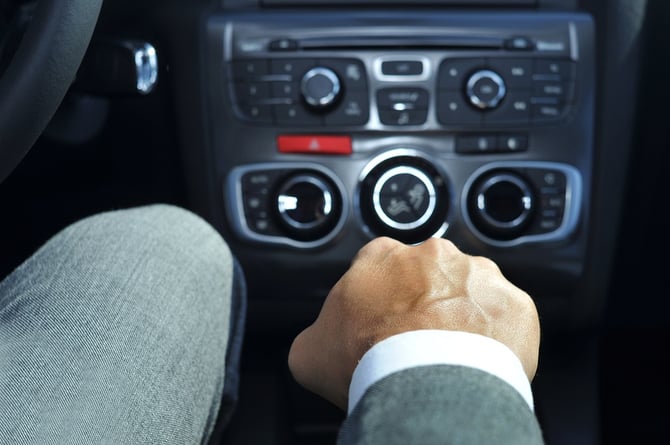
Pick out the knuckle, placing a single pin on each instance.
(486, 264)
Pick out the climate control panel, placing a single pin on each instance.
(301, 205)
(404, 194)
(508, 203)
(473, 126)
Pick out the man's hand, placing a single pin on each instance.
(392, 288)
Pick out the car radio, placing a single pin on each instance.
(333, 129)
(287, 88)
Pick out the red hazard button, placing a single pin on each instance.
(316, 144)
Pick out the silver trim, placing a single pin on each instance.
(232, 189)
(325, 100)
(286, 203)
(425, 74)
(573, 202)
(146, 66)
(527, 201)
(574, 41)
(385, 156)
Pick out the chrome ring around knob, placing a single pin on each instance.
(288, 202)
(429, 191)
(331, 90)
(524, 196)
(474, 95)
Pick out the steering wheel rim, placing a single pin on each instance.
(41, 71)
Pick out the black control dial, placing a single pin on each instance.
(485, 89)
(320, 88)
(406, 198)
(501, 204)
(308, 206)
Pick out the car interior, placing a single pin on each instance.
(532, 132)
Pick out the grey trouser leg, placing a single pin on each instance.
(116, 331)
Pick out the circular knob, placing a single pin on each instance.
(404, 196)
(320, 87)
(485, 89)
(308, 206)
(501, 205)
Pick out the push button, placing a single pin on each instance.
(516, 72)
(515, 109)
(402, 118)
(402, 68)
(260, 113)
(453, 72)
(453, 110)
(556, 90)
(252, 92)
(556, 68)
(314, 144)
(511, 143)
(547, 112)
(283, 45)
(292, 114)
(411, 98)
(353, 109)
(402, 106)
(286, 90)
(244, 69)
(476, 144)
(350, 71)
(291, 67)
(519, 43)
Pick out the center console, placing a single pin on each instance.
(332, 128)
(319, 126)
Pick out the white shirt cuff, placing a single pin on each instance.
(438, 347)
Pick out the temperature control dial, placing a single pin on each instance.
(404, 197)
(501, 204)
(308, 206)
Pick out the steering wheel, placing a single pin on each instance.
(40, 73)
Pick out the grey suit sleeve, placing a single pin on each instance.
(441, 404)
